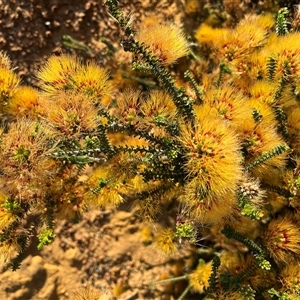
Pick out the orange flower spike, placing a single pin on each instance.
(283, 239)
(24, 103)
(165, 41)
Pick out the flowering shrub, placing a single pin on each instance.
(225, 146)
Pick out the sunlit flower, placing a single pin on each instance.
(24, 103)
(212, 154)
(9, 82)
(70, 114)
(166, 42)
(57, 73)
(165, 241)
(91, 80)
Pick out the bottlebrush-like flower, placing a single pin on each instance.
(165, 241)
(70, 114)
(212, 154)
(105, 189)
(91, 80)
(128, 106)
(166, 42)
(158, 108)
(282, 239)
(290, 277)
(229, 103)
(199, 278)
(22, 154)
(9, 82)
(259, 138)
(242, 40)
(24, 103)
(210, 209)
(68, 73)
(57, 73)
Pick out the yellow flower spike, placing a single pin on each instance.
(70, 115)
(229, 103)
(24, 103)
(6, 216)
(128, 103)
(200, 276)
(165, 41)
(266, 113)
(91, 80)
(9, 82)
(290, 277)
(23, 150)
(57, 73)
(207, 209)
(205, 34)
(264, 91)
(282, 239)
(158, 109)
(105, 189)
(259, 138)
(212, 153)
(242, 40)
(165, 241)
(265, 21)
(293, 126)
(257, 65)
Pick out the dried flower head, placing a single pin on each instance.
(283, 239)
(5, 62)
(70, 114)
(166, 41)
(22, 154)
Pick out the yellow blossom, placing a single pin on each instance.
(166, 42)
